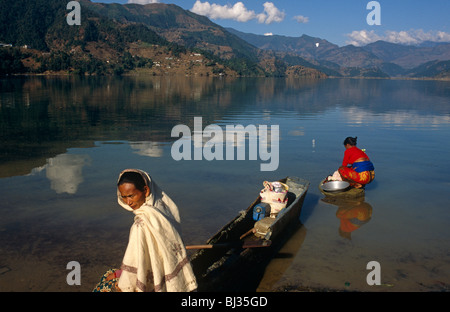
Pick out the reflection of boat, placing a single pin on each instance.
(346, 193)
(231, 266)
(282, 260)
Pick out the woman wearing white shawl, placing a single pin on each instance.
(155, 258)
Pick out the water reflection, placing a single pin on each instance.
(65, 172)
(284, 258)
(148, 148)
(352, 214)
(399, 119)
(41, 117)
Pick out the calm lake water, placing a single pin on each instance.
(65, 140)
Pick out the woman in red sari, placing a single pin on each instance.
(356, 166)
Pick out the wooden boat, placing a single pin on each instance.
(231, 262)
(350, 193)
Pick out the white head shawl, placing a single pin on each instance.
(156, 258)
(156, 199)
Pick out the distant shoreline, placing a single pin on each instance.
(134, 74)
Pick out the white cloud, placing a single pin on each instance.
(301, 19)
(362, 37)
(414, 36)
(143, 1)
(271, 14)
(238, 12)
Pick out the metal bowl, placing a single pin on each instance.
(334, 186)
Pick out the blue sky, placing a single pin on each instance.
(340, 22)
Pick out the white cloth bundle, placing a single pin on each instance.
(335, 177)
(276, 199)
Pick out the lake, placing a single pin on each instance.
(66, 139)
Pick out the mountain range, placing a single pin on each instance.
(392, 59)
(166, 39)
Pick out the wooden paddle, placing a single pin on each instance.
(245, 244)
(251, 231)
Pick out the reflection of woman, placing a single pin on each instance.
(352, 214)
(356, 166)
(352, 217)
(155, 258)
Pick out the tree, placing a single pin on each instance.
(10, 61)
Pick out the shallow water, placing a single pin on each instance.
(66, 139)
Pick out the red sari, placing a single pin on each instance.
(356, 173)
